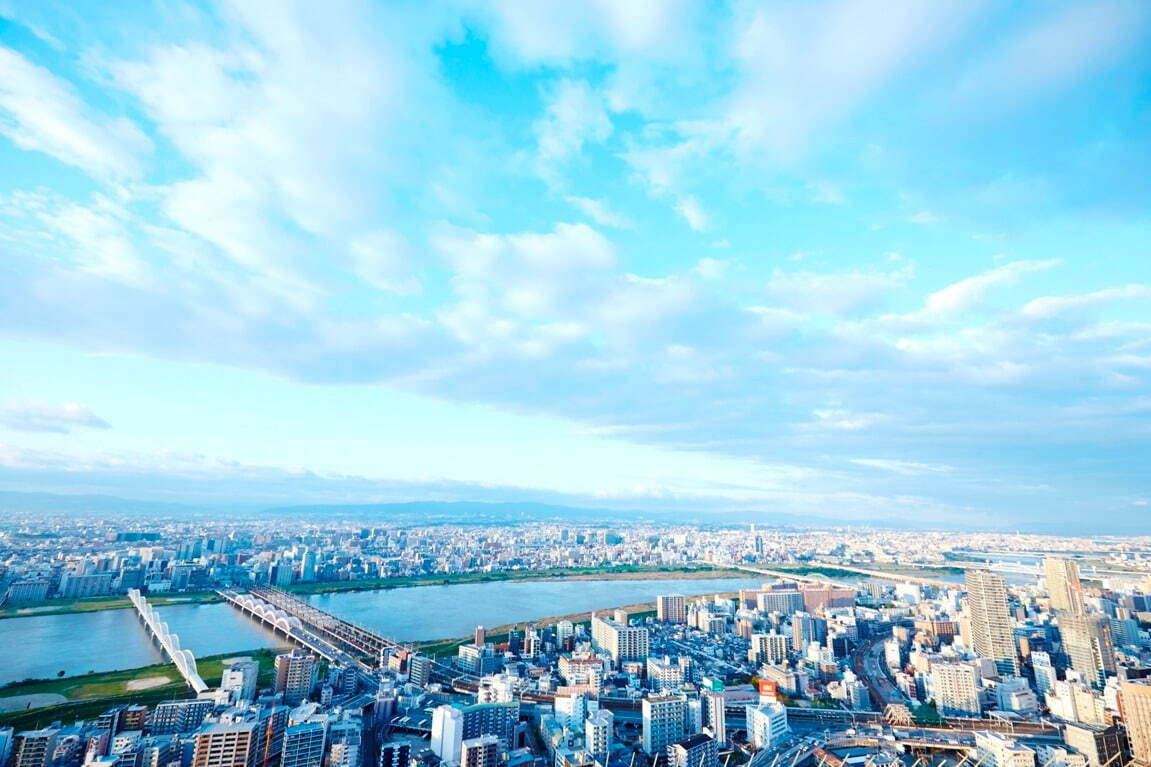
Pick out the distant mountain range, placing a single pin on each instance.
(477, 512)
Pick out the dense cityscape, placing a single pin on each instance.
(1004, 649)
(575, 383)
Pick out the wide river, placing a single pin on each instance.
(40, 646)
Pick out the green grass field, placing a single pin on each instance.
(93, 604)
(91, 694)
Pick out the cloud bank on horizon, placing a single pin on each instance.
(876, 258)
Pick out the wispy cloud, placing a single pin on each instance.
(51, 418)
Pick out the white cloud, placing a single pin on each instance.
(693, 213)
(907, 468)
(383, 259)
(806, 65)
(1049, 307)
(575, 115)
(924, 217)
(46, 417)
(1066, 45)
(839, 293)
(600, 212)
(969, 293)
(39, 112)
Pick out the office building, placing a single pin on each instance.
(693, 751)
(671, 608)
(1045, 673)
(1063, 585)
(618, 640)
(992, 634)
(295, 676)
(663, 720)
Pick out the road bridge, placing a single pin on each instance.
(181, 658)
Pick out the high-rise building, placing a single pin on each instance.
(295, 676)
(992, 634)
(715, 715)
(597, 730)
(955, 689)
(1135, 707)
(304, 745)
(619, 640)
(447, 732)
(1087, 644)
(767, 724)
(34, 748)
(420, 670)
(694, 751)
(770, 648)
(1063, 584)
(483, 751)
(671, 608)
(663, 718)
(225, 745)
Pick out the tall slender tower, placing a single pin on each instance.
(991, 625)
(1088, 644)
(1063, 585)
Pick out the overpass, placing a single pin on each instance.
(182, 659)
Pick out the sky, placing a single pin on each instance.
(856, 260)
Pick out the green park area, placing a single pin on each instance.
(37, 702)
(94, 604)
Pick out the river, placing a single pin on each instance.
(40, 646)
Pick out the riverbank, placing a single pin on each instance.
(627, 572)
(95, 604)
(22, 704)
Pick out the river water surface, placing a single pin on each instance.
(40, 646)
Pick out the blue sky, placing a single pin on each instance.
(861, 260)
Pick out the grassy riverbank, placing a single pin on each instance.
(87, 695)
(94, 604)
(626, 572)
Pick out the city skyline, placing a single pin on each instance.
(840, 260)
